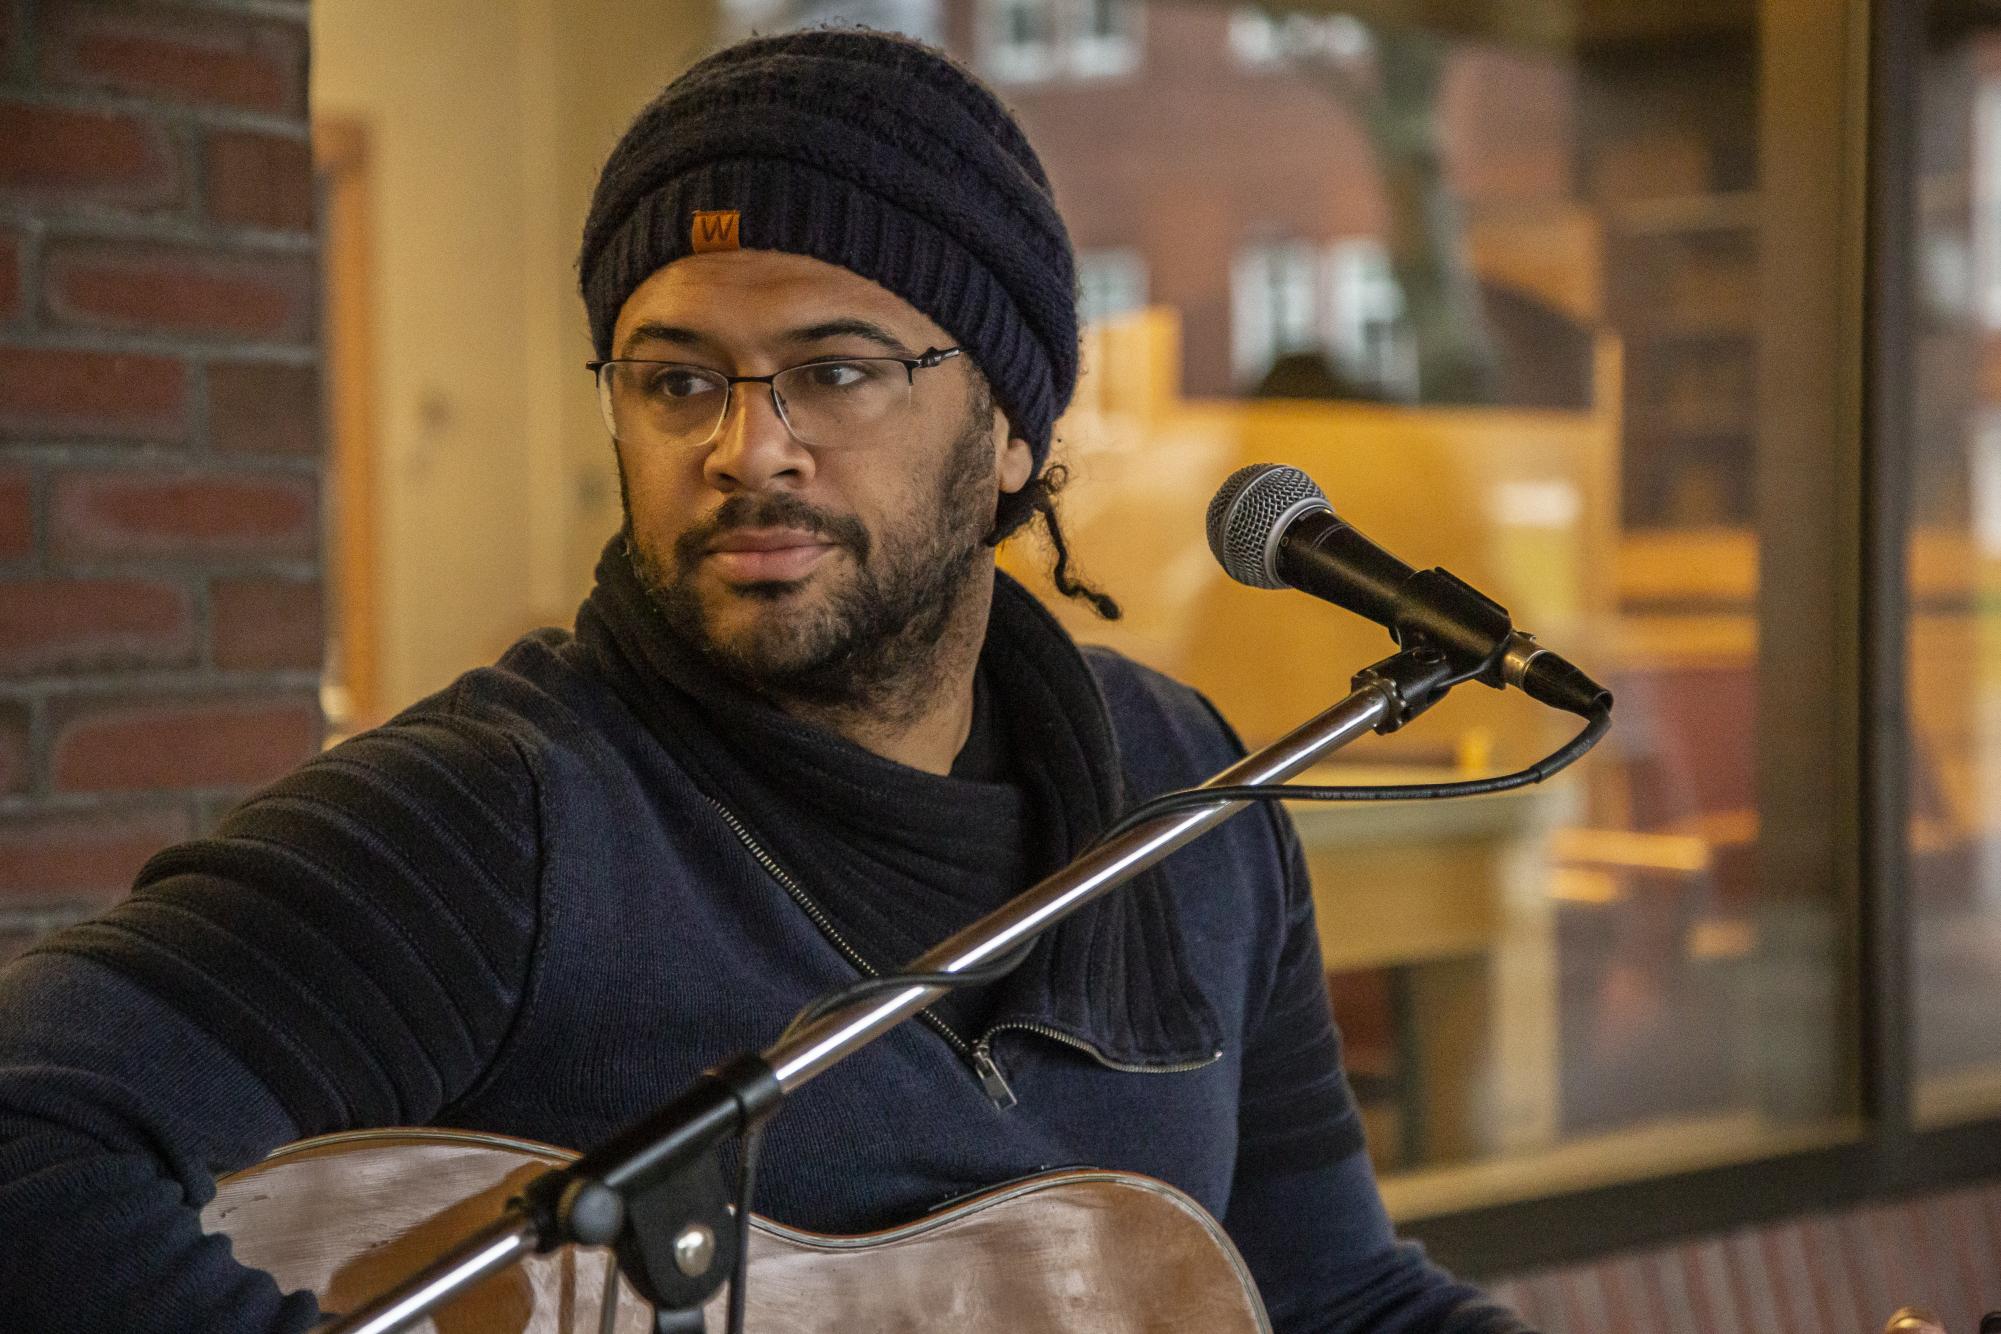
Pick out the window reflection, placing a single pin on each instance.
(1955, 573)
(1496, 279)
(1499, 293)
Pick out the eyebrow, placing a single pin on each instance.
(846, 327)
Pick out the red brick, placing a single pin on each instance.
(17, 516)
(179, 289)
(70, 393)
(268, 624)
(178, 54)
(50, 856)
(161, 743)
(50, 625)
(16, 759)
(10, 274)
(57, 155)
(260, 180)
(138, 514)
(262, 407)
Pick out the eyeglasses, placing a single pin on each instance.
(826, 404)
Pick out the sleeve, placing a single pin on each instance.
(348, 950)
(1304, 1207)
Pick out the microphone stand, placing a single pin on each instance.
(656, 1192)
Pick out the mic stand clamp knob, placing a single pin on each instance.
(1411, 682)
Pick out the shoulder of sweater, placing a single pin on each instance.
(1149, 703)
(431, 778)
(525, 679)
(465, 758)
(542, 691)
(523, 729)
(1136, 692)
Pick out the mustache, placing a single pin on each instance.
(771, 511)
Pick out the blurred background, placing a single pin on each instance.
(1490, 273)
(1675, 328)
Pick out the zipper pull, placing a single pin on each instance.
(991, 1078)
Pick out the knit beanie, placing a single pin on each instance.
(867, 150)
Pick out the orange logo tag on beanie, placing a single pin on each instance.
(716, 231)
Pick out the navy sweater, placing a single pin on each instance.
(511, 909)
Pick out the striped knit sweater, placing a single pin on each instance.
(512, 909)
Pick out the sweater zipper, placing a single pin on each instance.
(980, 1054)
(996, 1084)
(826, 926)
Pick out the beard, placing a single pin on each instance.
(870, 642)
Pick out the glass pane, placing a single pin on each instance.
(1545, 292)
(1498, 289)
(1955, 575)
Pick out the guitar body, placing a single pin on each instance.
(1076, 1251)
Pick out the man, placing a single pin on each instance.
(803, 728)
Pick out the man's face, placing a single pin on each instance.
(827, 573)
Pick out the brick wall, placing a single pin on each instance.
(160, 623)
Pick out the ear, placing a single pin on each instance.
(1017, 463)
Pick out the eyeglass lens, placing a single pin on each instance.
(826, 404)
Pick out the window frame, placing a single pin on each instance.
(1070, 53)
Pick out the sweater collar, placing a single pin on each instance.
(887, 849)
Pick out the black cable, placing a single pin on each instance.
(1190, 798)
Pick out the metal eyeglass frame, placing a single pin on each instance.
(923, 361)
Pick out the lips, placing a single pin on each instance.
(765, 555)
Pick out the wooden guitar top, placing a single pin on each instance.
(347, 1215)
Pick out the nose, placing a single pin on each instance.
(753, 449)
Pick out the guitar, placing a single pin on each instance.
(347, 1215)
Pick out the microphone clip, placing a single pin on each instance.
(1436, 607)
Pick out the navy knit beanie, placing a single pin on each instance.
(867, 150)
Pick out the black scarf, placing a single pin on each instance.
(898, 858)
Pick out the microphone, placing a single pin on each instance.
(1271, 527)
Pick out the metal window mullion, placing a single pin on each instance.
(1808, 460)
(1896, 63)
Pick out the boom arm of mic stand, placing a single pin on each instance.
(798, 1057)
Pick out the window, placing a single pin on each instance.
(1104, 38)
(1655, 964)
(1109, 282)
(922, 19)
(1364, 319)
(1272, 307)
(1020, 40)
(1987, 199)
(1258, 38)
(1542, 993)
(1952, 657)
(1026, 41)
(1341, 302)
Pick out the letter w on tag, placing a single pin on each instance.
(716, 231)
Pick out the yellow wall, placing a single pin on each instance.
(488, 121)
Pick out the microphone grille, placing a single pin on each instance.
(1250, 513)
